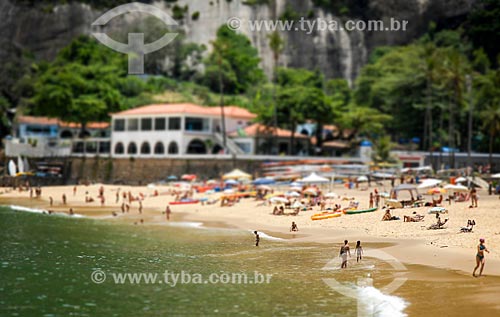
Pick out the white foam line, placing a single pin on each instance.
(266, 236)
(42, 211)
(186, 224)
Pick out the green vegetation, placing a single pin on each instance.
(237, 59)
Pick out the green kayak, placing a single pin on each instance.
(353, 212)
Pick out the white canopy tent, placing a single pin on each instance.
(314, 179)
(237, 174)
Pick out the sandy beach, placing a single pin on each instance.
(409, 242)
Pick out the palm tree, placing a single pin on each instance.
(276, 44)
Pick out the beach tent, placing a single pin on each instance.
(314, 179)
(237, 174)
(405, 187)
(264, 181)
(456, 188)
(429, 183)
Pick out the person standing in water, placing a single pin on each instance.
(168, 212)
(344, 251)
(257, 238)
(359, 251)
(480, 257)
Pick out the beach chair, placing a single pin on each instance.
(438, 225)
(470, 226)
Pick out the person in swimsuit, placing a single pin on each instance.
(358, 251)
(344, 251)
(257, 238)
(294, 227)
(480, 257)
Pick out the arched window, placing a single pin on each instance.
(173, 148)
(145, 148)
(196, 147)
(119, 149)
(132, 148)
(159, 148)
(66, 134)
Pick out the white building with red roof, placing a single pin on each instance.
(164, 130)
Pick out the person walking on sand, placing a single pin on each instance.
(344, 251)
(168, 212)
(371, 200)
(480, 260)
(257, 238)
(64, 199)
(359, 251)
(473, 197)
(74, 190)
(51, 201)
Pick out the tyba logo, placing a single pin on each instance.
(135, 48)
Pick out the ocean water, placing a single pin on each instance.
(48, 263)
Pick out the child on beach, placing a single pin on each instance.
(257, 238)
(359, 251)
(480, 257)
(294, 227)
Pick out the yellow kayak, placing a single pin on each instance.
(326, 215)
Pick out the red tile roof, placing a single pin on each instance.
(258, 129)
(188, 108)
(54, 121)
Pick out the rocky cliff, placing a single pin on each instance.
(43, 29)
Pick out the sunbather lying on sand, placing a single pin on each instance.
(415, 218)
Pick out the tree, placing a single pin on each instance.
(239, 61)
(81, 85)
(489, 98)
(276, 44)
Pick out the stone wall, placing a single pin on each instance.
(143, 171)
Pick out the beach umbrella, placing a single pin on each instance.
(311, 191)
(264, 187)
(263, 181)
(297, 204)
(435, 210)
(295, 184)
(229, 191)
(436, 190)
(460, 180)
(278, 200)
(314, 179)
(456, 188)
(384, 195)
(172, 178)
(236, 174)
(331, 195)
(231, 182)
(362, 179)
(292, 194)
(188, 177)
(429, 183)
(212, 182)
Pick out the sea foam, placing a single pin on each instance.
(376, 303)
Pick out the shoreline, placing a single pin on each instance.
(426, 251)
